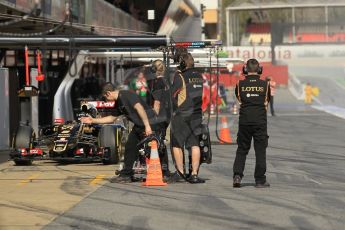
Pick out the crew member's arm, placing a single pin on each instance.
(177, 85)
(236, 93)
(156, 106)
(158, 94)
(142, 114)
(101, 120)
(269, 93)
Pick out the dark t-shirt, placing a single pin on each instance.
(125, 106)
(158, 91)
(187, 92)
(253, 94)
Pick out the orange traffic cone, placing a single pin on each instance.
(154, 175)
(225, 132)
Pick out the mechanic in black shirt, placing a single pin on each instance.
(158, 98)
(186, 122)
(137, 111)
(253, 95)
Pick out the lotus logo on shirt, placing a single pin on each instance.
(252, 89)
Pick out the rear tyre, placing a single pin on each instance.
(107, 138)
(23, 139)
(23, 162)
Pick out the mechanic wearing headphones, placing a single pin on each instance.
(253, 95)
(158, 99)
(137, 111)
(186, 121)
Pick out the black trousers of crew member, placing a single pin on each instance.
(132, 150)
(271, 105)
(162, 151)
(244, 138)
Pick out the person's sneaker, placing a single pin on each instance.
(237, 181)
(262, 184)
(121, 179)
(175, 177)
(194, 179)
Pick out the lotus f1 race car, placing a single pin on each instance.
(71, 141)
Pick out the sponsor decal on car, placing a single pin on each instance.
(102, 104)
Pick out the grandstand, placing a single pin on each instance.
(291, 21)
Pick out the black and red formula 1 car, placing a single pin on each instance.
(71, 141)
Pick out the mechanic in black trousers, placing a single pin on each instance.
(253, 95)
(187, 118)
(158, 98)
(137, 111)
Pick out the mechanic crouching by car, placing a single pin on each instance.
(187, 118)
(130, 105)
(253, 95)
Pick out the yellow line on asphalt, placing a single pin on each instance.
(97, 179)
(29, 179)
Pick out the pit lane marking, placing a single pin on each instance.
(312, 180)
(29, 179)
(97, 179)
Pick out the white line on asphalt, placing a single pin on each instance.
(331, 109)
(338, 84)
(312, 180)
(301, 115)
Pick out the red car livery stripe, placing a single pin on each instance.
(102, 104)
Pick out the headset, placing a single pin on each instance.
(245, 70)
(177, 52)
(182, 64)
(153, 68)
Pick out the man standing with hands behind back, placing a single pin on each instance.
(253, 95)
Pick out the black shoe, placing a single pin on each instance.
(194, 179)
(121, 179)
(175, 177)
(166, 177)
(262, 184)
(237, 181)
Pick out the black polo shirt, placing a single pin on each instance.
(253, 95)
(187, 92)
(124, 105)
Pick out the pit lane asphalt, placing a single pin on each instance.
(4, 156)
(306, 168)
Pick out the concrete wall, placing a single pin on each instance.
(98, 13)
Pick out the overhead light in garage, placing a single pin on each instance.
(151, 14)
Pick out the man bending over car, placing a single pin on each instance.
(137, 111)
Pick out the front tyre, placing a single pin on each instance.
(23, 140)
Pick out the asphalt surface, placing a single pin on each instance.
(306, 168)
(32, 196)
(4, 156)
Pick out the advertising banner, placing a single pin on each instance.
(287, 53)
